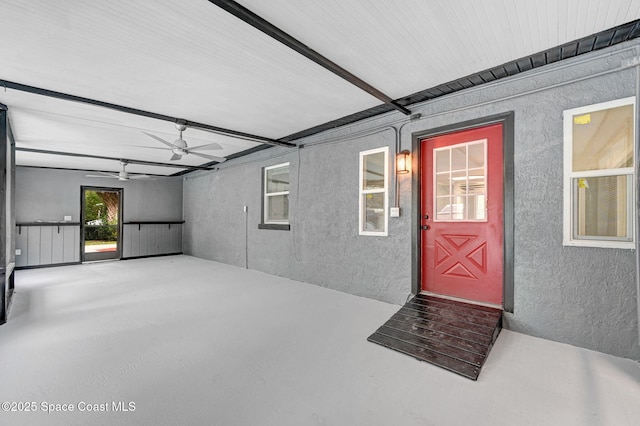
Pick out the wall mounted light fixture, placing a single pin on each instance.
(403, 162)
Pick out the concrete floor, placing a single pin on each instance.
(189, 341)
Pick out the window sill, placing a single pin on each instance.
(629, 245)
(274, 226)
(373, 234)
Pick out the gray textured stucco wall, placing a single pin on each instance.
(323, 246)
(47, 194)
(581, 296)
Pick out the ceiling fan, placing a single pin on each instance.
(179, 147)
(123, 175)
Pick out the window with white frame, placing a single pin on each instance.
(460, 182)
(276, 195)
(374, 190)
(599, 164)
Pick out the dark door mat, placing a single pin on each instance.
(453, 335)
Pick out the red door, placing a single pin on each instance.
(462, 214)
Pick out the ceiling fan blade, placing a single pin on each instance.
(104, 175)
(209, 157)
(151, 147)
(141, 177)
(169, 144)
(175, 157)
(209, 146)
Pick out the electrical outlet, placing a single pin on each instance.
(18, 252)
(67, 218)
(395, 212)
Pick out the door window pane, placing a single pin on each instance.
(443, 184)
(476, 185)
(460, 184)
(476, 155)
(443, 208)
(442, 161)
(477, 207)
(459, 158)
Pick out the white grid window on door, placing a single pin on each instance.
(460, 182)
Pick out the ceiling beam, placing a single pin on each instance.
(64, 96)
(90, 170)
(276, 33)
(100, 157)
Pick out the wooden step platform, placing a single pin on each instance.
(453, 335)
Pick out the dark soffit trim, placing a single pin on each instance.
(598, 41)
(100, 157)
(601, 40)
(276, 33)
(67, 97)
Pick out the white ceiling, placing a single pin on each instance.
(193, 60)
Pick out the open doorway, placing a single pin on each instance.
(101, 223)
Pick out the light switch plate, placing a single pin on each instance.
(18, 252)
(395, 212)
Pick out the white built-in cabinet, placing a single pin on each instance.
(50, 243)
(141, 239)
(47, 243)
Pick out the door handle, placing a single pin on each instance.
(425, 227)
